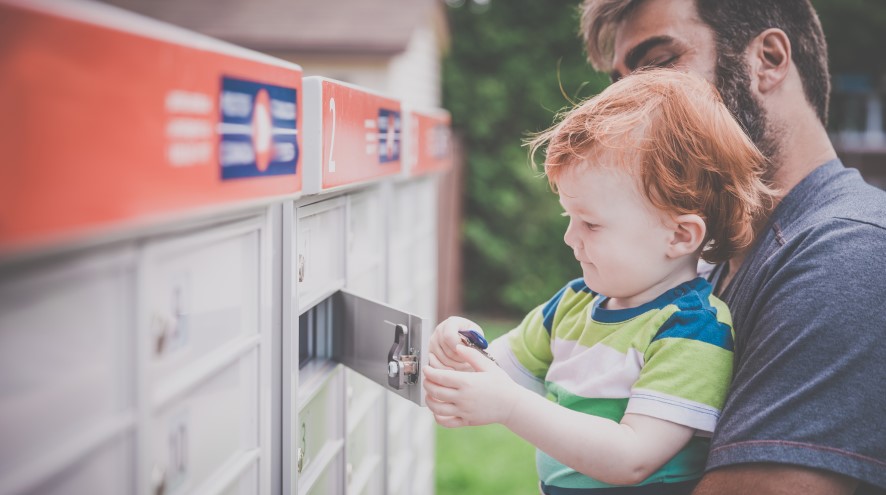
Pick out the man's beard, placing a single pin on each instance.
(734, 84)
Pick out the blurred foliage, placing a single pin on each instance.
(512, 66)
(502, 80)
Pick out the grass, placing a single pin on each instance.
(485, 460)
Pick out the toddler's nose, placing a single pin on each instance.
(570, 238)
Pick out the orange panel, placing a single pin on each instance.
(431, 147)
(361, 135)
(101, 126)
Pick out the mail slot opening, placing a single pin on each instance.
(315, 334)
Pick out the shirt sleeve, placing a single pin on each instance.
(808, 386)
(687, 369)
(525, 352)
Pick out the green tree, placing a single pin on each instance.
(512, 66)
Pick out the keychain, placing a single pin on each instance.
(473, 338)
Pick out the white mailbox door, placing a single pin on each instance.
(382, 343)
(205, 330)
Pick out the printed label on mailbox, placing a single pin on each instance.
(430, 140)
(389, 135)
(258, 129)
(362, 135)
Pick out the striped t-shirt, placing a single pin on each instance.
(670, 358)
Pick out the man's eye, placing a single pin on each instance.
(662, 61)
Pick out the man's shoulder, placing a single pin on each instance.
(843, 196)
(828, 215)
(825, 238)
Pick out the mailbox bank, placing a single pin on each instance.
(216, 276)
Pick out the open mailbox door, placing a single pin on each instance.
(384, 344)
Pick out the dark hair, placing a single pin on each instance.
(734, 23)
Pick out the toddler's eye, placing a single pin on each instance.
(590, 226)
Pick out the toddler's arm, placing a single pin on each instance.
(618, 453)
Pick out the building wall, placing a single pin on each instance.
(415, 73)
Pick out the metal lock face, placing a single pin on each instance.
(402, 368)
(363, 325)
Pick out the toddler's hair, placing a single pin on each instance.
(672, 129)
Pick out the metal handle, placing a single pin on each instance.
(301, 268)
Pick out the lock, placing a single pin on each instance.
(170, 325)
(158, 480)
(300, 453)
(300, 462)
(402, 367)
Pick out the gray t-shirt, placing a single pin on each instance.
(809, 311)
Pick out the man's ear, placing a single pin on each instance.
(687, 235)
(769, 56)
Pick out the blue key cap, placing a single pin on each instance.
(475, 339)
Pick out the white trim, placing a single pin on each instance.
(674, 409)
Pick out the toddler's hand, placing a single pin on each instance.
(458, 398)
(444, 341)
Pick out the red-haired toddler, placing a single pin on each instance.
(619, 378)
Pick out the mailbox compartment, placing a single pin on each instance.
(423, 449)
(321, 422)
(366, 244)
(366, 435)
(319, 264)
(108, 471)
(365, 447)
(202, 292)
(66, 381)
(400, 419)
(196, 437)
(327, 482)
(319, 432)
(246, 483)
(412, 265)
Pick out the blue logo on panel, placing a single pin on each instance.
(388, 136)
(258, 131)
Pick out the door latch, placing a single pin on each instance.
(402, 367)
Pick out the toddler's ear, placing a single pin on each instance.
(688, 234)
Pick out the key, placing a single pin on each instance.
(473, 338)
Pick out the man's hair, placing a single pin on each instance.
(734, 23)
(671, 130)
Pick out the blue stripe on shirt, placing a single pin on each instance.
(549, 309)
(696, 325)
